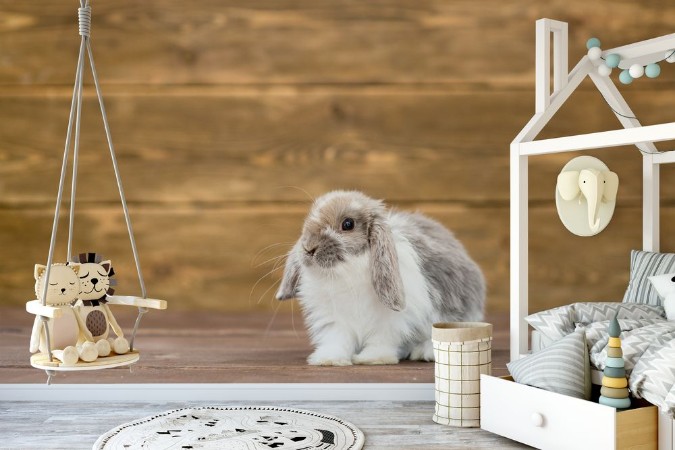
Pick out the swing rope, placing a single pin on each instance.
(84, 27)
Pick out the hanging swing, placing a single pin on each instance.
(72, 318)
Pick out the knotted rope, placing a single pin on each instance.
(84, 20)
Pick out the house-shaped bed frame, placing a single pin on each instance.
(548, 101)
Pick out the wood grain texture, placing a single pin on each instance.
(217, 347)
(213, 258)
(386, 425)
(224, 113)
(196, 149)
(341, 41)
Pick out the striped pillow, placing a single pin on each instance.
(642, 266)
(563, 367)
(590, 312)
(553, 323)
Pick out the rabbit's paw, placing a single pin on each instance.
(376, 356)
(321, 358)
(424, 351)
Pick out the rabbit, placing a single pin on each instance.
(372, 281)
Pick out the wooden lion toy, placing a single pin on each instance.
(95, 286)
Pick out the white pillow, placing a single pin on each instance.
(665, 287)
(664, 284)
(669, 306)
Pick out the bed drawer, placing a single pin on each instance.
(548, 420)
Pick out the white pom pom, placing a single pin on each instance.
(636, 70)
(594, 53)
(604, 71)
(70, 356)
(103, 348)
(670, 56)
(88, 351)
(121, 346)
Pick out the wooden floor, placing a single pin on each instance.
(179, 347)
(221, 348)
(386, 425)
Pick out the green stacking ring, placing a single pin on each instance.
(614, 392)
(614, 352)
(615, 362)
(615, 372)
(620, 403)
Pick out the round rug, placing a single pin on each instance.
(240, 427)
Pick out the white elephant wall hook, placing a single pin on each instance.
(586, 195)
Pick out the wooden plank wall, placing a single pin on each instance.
(224, 113)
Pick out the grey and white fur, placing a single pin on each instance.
(371, 281)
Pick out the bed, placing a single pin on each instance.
(551, 94)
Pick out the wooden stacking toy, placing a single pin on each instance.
(614, 391)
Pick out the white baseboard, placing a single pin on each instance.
(218, 392)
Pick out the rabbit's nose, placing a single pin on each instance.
(94, 280)
(311, 251)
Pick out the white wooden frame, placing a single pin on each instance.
(523, 146)
(546, 105)
(218, 392)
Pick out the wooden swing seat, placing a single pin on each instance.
(41, 361)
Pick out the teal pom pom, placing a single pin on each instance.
(614, 328)
(613, 60)
(592, 42)
(625, 77)
(652, 70)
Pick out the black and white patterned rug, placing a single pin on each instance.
(236, 428)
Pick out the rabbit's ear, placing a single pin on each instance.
(384, 269)
(291, 279)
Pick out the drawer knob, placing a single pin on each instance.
(537, 419)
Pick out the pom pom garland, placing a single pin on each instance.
(625, 78)
(592, 43)
(604, 71)
(636, 71)
(652, 70)
(613, 60)
(594, 53)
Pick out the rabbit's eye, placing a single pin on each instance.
(348, 224)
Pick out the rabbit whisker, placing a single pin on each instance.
(268, 289)
(274, 316)
(258, 282)
(293, 320)
(261, 251)
(275, 259)
(298, 188)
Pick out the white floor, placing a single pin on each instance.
(387, 425)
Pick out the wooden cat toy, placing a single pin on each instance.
(66, 329)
